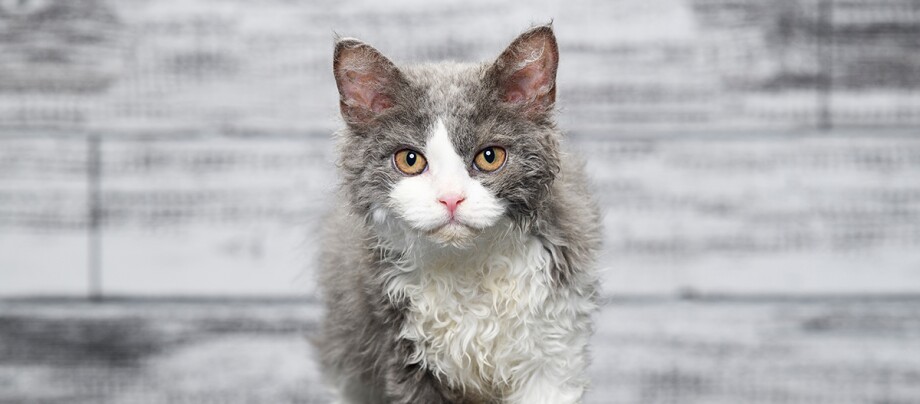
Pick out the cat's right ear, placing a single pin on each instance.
(525, 73)
(366, 79)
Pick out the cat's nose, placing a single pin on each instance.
(451, 201)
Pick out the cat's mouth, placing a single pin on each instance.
(453, 232)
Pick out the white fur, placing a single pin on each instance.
(484, 316)
(490, 321)
(415, 198)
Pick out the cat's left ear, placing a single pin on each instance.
(525, 73)
(368, 82)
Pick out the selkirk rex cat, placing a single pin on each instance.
(458, 267)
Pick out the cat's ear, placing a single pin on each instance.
(368, 82)
(525, 73)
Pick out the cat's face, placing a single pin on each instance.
(441, 194)
(445, 152)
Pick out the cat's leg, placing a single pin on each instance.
(413, 385)
(351, 390)
(546, 390)
(555, 374)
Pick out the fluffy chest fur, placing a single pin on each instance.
(478, 321)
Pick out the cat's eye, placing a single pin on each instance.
(490, 159)
(410, 162)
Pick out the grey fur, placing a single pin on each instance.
(543, 187)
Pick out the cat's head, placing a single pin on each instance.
(444, 152)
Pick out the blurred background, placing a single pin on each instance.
(164, 164)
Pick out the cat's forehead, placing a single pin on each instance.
(451, 94)
(444, 82)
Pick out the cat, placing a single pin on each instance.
(458, 266)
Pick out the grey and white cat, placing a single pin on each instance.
(458, 266)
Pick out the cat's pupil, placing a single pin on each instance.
(489, 155)
(411, 158)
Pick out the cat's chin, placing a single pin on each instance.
(454, 234)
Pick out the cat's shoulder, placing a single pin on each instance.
(342, 245)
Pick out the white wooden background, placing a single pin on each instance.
(738, 146)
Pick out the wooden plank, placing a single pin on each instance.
(717, 214)
(43, 217)
(216, 66)
(807, 351)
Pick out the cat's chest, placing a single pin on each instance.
(470, 320)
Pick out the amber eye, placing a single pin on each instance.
(490, 159)
(410, 162)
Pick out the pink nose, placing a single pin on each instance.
(451, 202)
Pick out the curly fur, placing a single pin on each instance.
(497, 313)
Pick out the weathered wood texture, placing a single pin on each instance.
(697, 119)
(228, 66)
(779, 214)
(216, 164)
(653, 352)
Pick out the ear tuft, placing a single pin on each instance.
(367, 80)
(525, 73)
